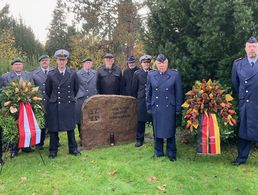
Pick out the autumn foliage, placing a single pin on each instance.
(208, 97)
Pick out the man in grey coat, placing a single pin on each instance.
(87, 87)
(17, 73)
(39, 77)
(245, 84)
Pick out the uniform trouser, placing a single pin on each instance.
(170, 149)
(243, 147)
(140, 131)
(54, 140)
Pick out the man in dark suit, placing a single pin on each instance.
(109, 77)
(61, 88)
(164, 99)
(245, 84)
(87, 87)
(17, 73)
(39, 77)
(128, 76)
(138, 91)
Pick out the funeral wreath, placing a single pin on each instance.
(11, 96)
(209, 97)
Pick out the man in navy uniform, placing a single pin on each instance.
(245, 84)
(17, 73)
(138, 91)
(128, 76)
(164, 99)
(109, 77)
(62, 86)
(39, 77)
(87, 87)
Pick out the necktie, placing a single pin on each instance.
(45, 72)
(252, 64)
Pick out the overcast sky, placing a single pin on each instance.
(35, 13)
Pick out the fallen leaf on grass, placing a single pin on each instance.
(162, 187)
(55, 192)
(23, 180)
(94, 162)
(113, 172)
(152, 179)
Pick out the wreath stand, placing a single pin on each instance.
(5, 151)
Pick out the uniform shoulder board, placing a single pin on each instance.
(174, 69)
(239, 59)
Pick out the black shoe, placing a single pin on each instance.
(172, 158)
(75, 152)
(52, 155)
(39, 147)
(138, 144)
(237, 163)
(27, 150)
(59, 145)
(13, 154)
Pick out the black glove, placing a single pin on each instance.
(178, 119)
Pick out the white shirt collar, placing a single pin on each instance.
(63, 71)
(43, 69)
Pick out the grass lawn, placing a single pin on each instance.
(123, 169)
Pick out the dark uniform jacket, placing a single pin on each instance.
(139, 92)
(245, 83)
(61, 91)
(11, 76)
(127, 80)
(87, 88)
(164, 99)
(109, 80)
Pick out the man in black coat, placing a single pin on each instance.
(39, 77)
(61, 88)
(109, 77)
(139, 92)
(128, 76)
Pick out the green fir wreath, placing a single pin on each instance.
(18, 91)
